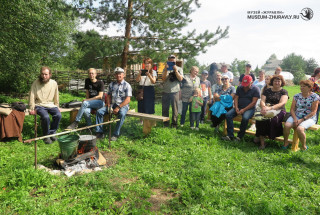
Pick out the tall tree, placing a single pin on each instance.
(154, 27)
(33, 33)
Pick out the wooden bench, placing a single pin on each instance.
(295, 141)
(149, 120)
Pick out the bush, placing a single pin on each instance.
(298, 76)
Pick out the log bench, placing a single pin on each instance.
(149, 120)
(295, 141)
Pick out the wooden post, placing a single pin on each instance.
(73, 115)
(147, 126)
(295, 141)
(35, 142)
(225, 128)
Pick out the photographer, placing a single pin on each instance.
(171, 77)
(147, 81)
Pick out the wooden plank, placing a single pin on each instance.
(147, 116)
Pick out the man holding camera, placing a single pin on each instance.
(171, 77)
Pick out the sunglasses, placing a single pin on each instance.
(222, 79)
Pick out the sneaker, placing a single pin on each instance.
(192, 128)
(181, 126)
(54, 139)
(236, 139)
(73, 125)
(216, 129)
(226, 138)
(47, 140)
(100, 135)
(197, 129)
(114, 138)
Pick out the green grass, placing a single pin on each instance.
(200, 173)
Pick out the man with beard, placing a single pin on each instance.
(44, 100)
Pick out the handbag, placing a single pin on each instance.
(19, 106)
(5, 109)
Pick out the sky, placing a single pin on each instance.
(253, 40)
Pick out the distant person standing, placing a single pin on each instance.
(147, 81)
(224, 71)
(278, 71)
(171, 77)
(44, 100)
(189, 83)
(206, 94)
(261, 82)
(247, 72)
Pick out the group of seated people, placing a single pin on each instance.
(225, 100)
(44, 100)
(273, 98)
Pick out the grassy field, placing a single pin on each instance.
(168, 172)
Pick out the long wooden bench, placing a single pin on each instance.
(295, 141)
(149, 120)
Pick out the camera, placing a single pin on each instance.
(172, 76)
(143, 72)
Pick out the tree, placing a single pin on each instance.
(154, 28)
(36, 33)
(293, 63)
(238, 66)
(193, 62)
(311, 64)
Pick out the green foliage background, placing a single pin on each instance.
(33, 33)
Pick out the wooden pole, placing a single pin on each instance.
(66, 132)
(35, 142)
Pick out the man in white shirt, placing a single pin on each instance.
(224, 71)
(44, 100)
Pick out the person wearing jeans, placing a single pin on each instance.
(118, 98)
(244, 104)
(94, 100)
(44, 100)
(196, 104)
(189, 83)
(206, 94)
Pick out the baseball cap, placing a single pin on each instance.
(172, 56)
(205, 72)
(118, 70)
(248, 65)
(246, 80)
